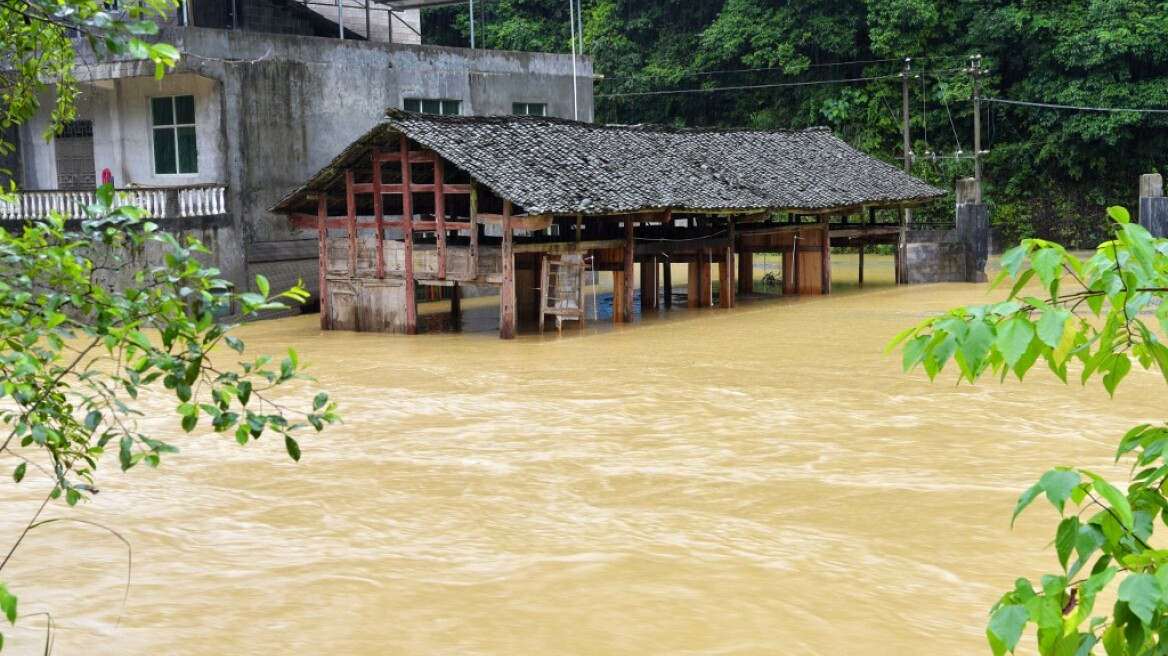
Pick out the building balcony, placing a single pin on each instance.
(160, 203)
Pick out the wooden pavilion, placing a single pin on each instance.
(527, 203)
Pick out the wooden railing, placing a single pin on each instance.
(157, 202)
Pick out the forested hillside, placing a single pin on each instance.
(797, 63)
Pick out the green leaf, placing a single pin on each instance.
(1025, 500)
(18, 473)
(1119, 214)
(319, 401)
(1119, 503)
(1141, 592)
(262, 285)
(1005, 628)
(1059, 484)
(1118, 367)
(8, 604)
(292, 447)
(1065, 538)
(1051, 326)
(1014, 338)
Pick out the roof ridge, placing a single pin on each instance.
(395, 114)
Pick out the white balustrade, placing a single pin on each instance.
(202, 200)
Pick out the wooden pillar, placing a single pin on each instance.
(630, 251)
(474, 230)
(408, 237)
(351, 215)
(618, 296)
(726, 286)
(507, 292)
(378, 215)
(694, 284)
(649, 285)
(825, 253)
(322, 231)
(707, 277)
(543, 290)
(667, 282)
(861, 277)
(745, 272)
(440, 213)
(456, 306)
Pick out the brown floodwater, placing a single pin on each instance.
(755, 481)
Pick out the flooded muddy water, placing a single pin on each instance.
(755, 481)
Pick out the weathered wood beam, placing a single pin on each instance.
(452, 189)
(322, 215)
(440, 214)
(507, 293)
(351, 222)
(379, 218)
(569, 246)
(530, 222)
(408, 237)
(630, 253)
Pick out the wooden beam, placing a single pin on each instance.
(408, 238)
(322, 214)
(667, 282)
(507, 293)
(569, 246)
(379, 219)
(351, 209)
(527, 222)
(726, 287)
(440, 214)
(630, 248)
(453, 189)
(825, 267)
(618, 293)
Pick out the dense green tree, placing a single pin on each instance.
(1049, 172)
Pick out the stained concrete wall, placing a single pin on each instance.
(934, 256)
(275, 109)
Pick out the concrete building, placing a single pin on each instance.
(267, 92)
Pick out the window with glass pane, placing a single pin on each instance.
(529, 109)
(173, 124)
(441, 106)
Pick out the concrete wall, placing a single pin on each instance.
(120, 111)
(934, 256)
(272, 110)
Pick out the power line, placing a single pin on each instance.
(1074, 107)
(747, 87)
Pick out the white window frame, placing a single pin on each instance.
(527, 107)
(173, 129)
(444, 104)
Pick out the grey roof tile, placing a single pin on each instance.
(548, 165)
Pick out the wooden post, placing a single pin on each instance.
(630, 251)
(378, 215)
(408, 236)
(456, 307)
(694, 284)
(440, 213)
(648, 285)
(726, 271)
(861, 278)
(618, 296)
(507, 292)
(707, 276)
(667, 282)
(543, 290)
(474, 230)
(351, 215)
(825, 244)
(745, 272)
(322, 231)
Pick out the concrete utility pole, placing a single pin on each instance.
(975, 71)
(472, 44)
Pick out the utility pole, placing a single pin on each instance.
(908, 158)
(975, 71)
(472, 40)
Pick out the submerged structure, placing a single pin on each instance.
(525, 203)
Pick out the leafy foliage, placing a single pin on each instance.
(773, 65)
(75, 354)
(1101, 316)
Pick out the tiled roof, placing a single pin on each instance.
(548, 165)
